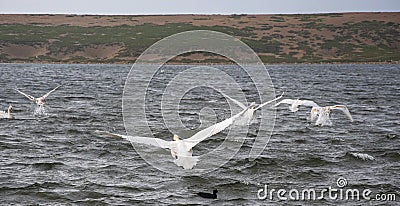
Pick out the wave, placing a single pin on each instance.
(313, 161)
(362, 156)
(392, 155)
(44, 166)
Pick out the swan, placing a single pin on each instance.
(318, 114)
(295, 103)
(249, 114)
(40, 101)
(322, 114)
(181, 149)
(6, 114)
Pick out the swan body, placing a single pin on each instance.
(181, 149)
(6, 114)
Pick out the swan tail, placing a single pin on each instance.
(186, 162)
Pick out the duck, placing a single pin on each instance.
(208, 195)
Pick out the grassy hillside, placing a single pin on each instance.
(329, 38)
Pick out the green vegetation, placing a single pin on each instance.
(310, 41)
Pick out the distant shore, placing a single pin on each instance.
(205, 63)
(337, 38)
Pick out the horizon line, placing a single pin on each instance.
(224, 13)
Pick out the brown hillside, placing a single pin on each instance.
(347, 37)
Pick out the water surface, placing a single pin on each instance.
(58, 159)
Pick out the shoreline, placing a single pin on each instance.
(267, 64)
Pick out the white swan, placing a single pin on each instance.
(320, 114)
(323, 114)
(181, 149)
(295, 103)
(249, 114)
(40, 101)
(6, 114)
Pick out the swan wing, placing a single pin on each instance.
(48, 93)
(265, 103)
(241, 105)
(141, 140)
(286, 101)
(212, 130)
(30, 97)
(344, 109)
(307, 103)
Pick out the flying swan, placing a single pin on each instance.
(249, 114)
(6, 114)
(181, 149)
(323, 114)
(40, 101)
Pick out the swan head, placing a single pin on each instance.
(176, 137)
(9, 109)
(253, 105)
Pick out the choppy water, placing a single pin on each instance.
(58, 159)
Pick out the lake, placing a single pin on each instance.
(58, 157)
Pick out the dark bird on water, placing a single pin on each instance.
(208, 195)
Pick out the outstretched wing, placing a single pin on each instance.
(344, 109)
(265, 103)
(30, 97)
(141, 140)
(285, 101)
(307, 103)
(235, 101)
(48, 93)
(212, 130)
